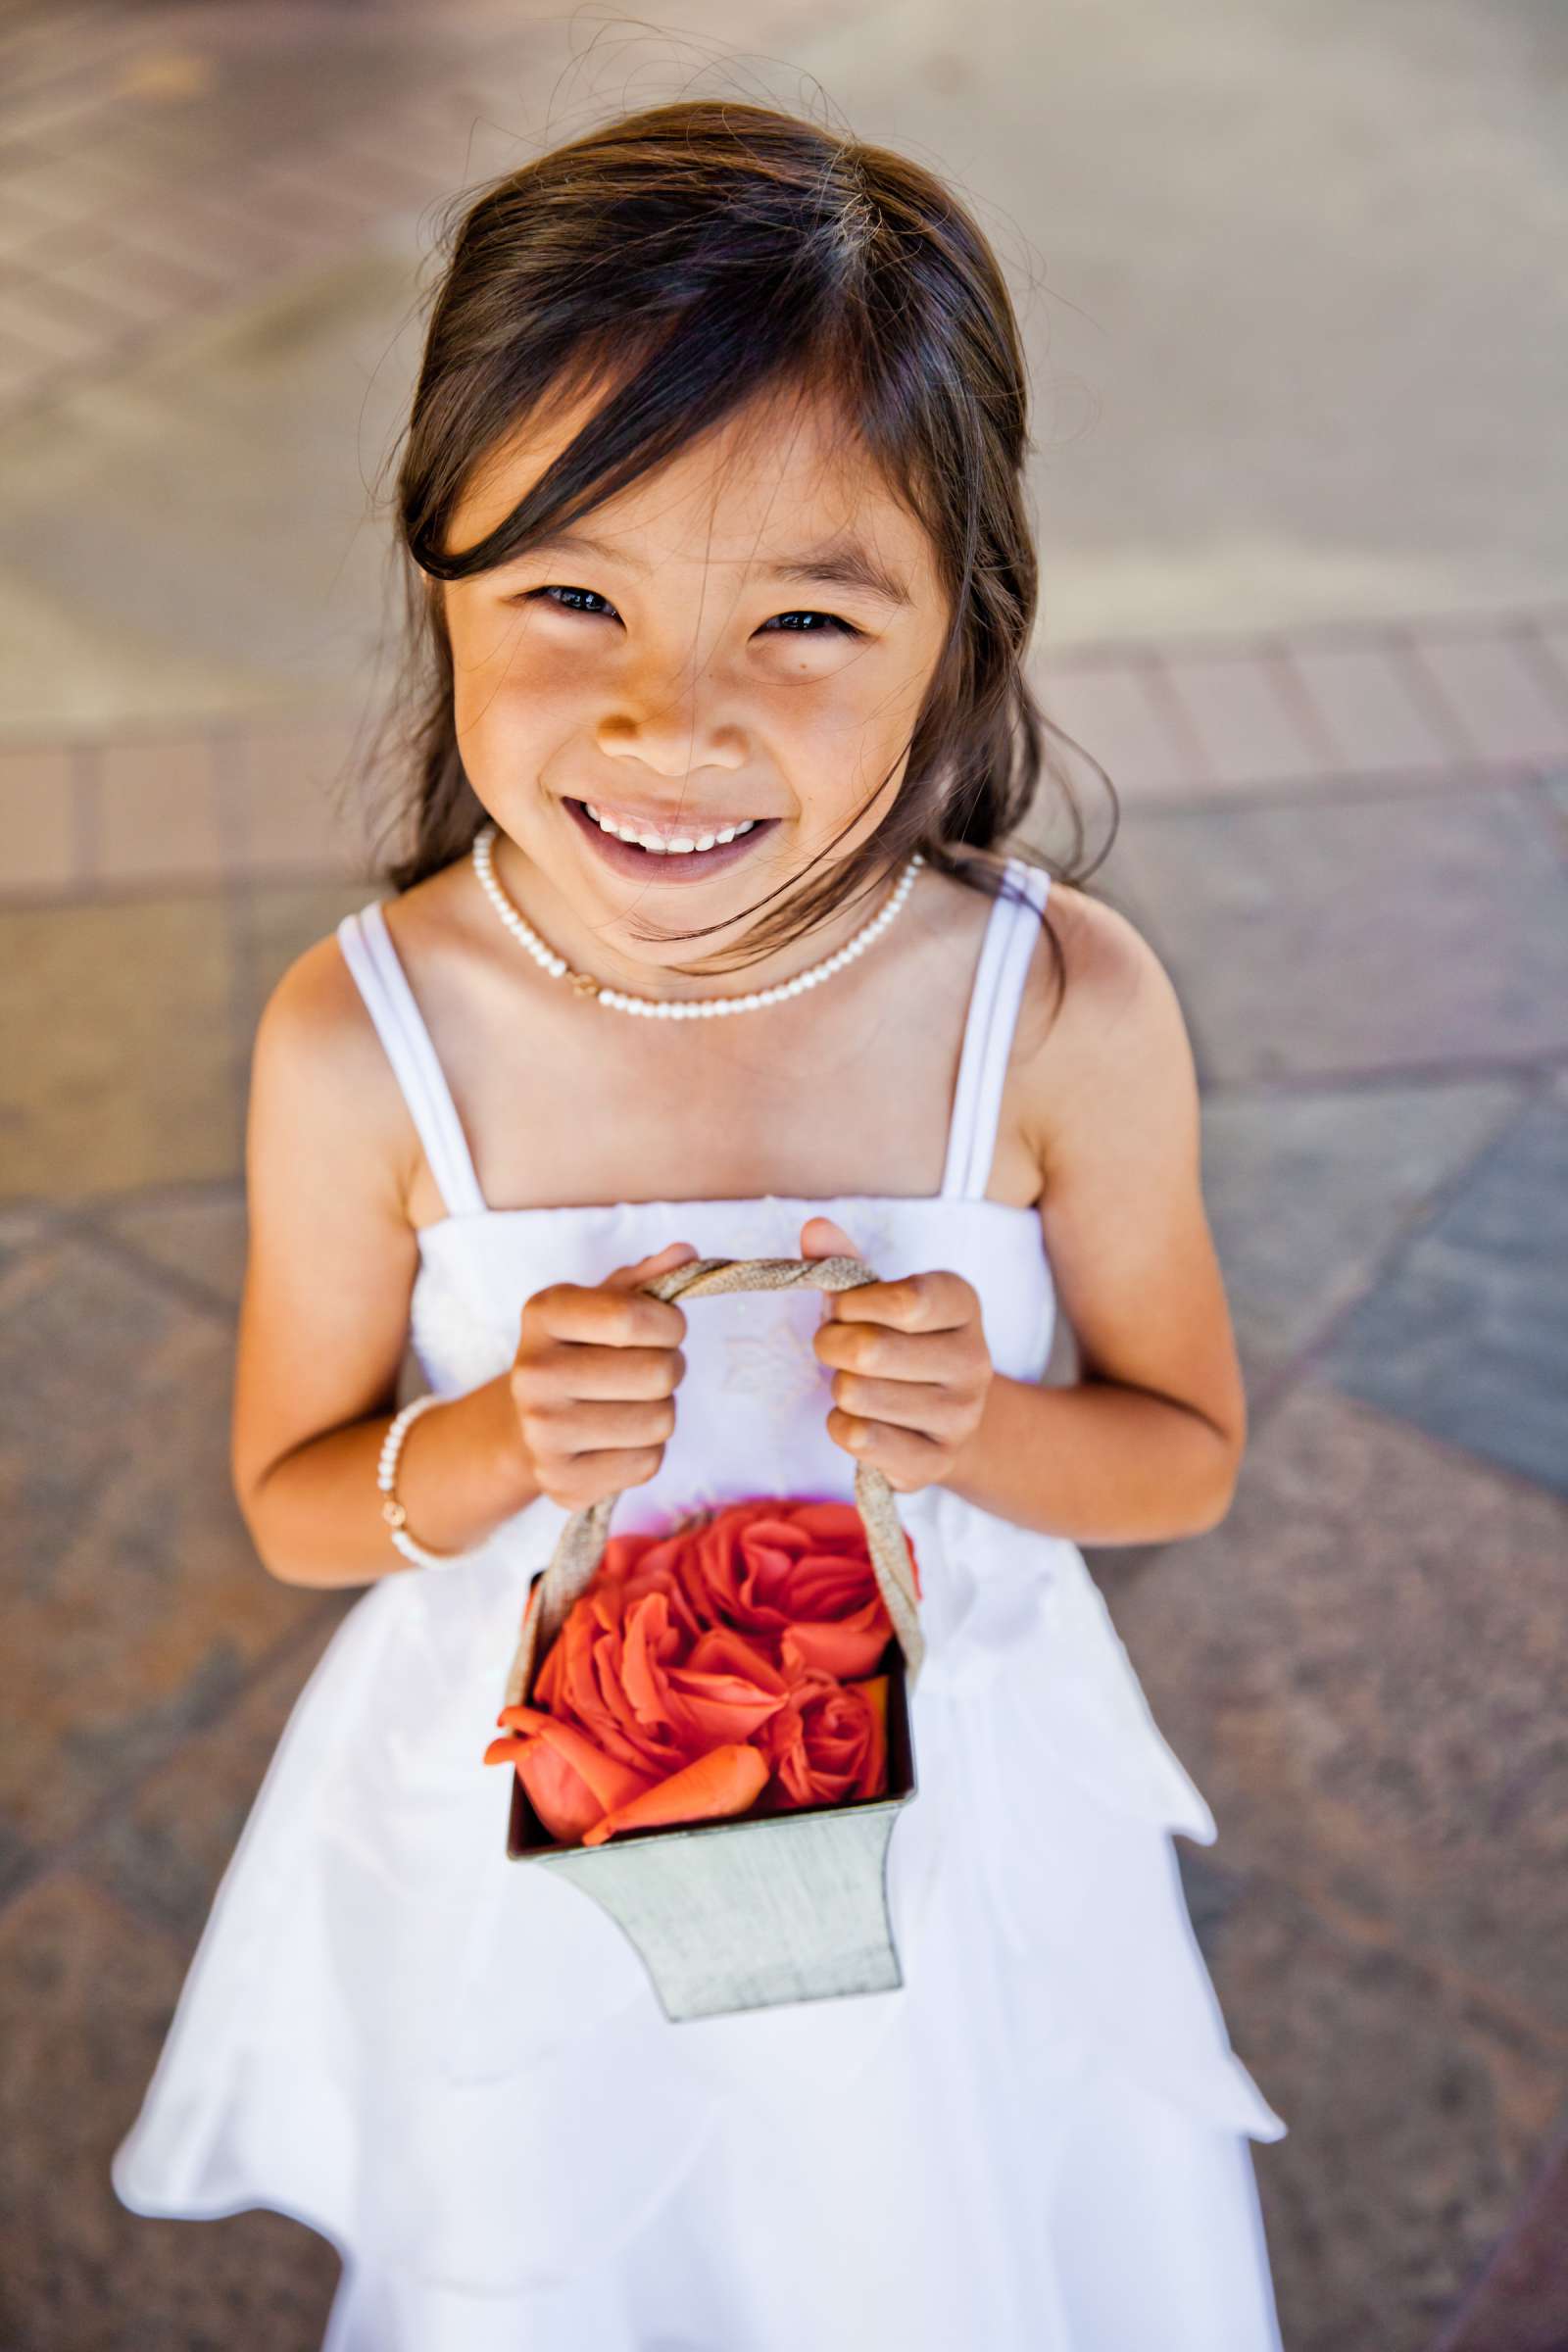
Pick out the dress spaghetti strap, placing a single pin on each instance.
(1011, 929)
(1010, 939)
(374, 960)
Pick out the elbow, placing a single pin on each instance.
(249, 1498)
(277, 1565)
(1215, 1516)
(1218, 1491)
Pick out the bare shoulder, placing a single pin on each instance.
(1102, 1027)
(315, 1003)
(318, 1058)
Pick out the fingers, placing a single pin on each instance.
(934, 1301)
(575, 1426)
(907, 1459)
(658, 1262)
(822, 1237)
(606, 1315)
(940, 1413)
(568, 1368)
(594, 1378)
(877, 1353)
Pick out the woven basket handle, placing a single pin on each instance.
(580, 1546)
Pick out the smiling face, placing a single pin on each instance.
(710, 680)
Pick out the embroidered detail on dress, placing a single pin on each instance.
(778, 1368)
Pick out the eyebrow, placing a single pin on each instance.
(844, 564)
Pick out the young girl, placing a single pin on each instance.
(709, 943)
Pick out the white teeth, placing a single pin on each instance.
(682, 846)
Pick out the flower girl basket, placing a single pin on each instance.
(788, 1907)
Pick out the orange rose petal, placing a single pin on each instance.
(845, 1649)
(724, 1649)
(506, 1752)
(725, 1691)
(731, 1712)
(561, 1798)
(830, 1519)
(606, 1778)
(723, 1782)
(644, 1651)
(526, 1718)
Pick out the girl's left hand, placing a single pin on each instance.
(912, 1370)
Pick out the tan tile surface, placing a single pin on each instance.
(200, 1236)
(1380, 933)
(1361, 1669)
(143, 285)
(158, 816)
(136, 1598)
(39, 819)
(164, 1853)
(1520, 2302)
(1244, 711)
(56, 330)
(1552, 634)
(85, 1995)
(295, 802)
(1500, 707)
(1415, 2113)
(1307, 1192)
(124, 1070)
(1367, 709)
(1122, 720)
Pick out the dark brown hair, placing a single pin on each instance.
(688, 257)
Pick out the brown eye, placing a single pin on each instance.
(530, 594)
(835, 625)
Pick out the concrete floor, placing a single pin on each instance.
(1290, 275)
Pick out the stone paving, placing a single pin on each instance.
(1348, 840)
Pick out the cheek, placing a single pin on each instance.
(846, 713)
(504, 688)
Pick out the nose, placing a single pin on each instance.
(672, 723)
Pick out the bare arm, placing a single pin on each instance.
(1148, 1445)
(324, 1318)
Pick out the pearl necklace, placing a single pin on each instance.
(680, 1008)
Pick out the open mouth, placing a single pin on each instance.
(675, 864)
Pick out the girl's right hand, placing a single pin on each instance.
(594, 1378)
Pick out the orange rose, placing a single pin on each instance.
(707, 1670)
(828, 1744)
(627, 1701)
(797, 1578)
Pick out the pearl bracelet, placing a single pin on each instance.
(392, 1511)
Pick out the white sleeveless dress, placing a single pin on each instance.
(454, 2067)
